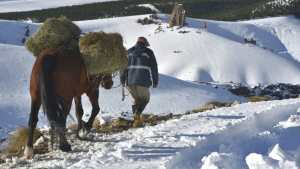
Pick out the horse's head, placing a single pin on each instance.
(107, 81)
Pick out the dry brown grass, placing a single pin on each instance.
(17, 141)
(212, 105)
(259, 98)
(119, 125)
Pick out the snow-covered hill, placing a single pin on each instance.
(230, 138)
(217, 53)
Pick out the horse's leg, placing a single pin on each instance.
(86, 127)
(32, 122)
(93, 97)
(63, 143)
(79, 112)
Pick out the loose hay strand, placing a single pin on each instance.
(17, 141)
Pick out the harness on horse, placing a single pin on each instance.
(95, 80)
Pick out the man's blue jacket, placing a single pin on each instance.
(142, 67)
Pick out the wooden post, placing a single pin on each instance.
(178, 16)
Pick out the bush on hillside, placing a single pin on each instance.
(212, 105)
(147, 21)
(259, 98)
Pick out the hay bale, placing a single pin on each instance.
(54, 33)
(17, 141)
(103, 52)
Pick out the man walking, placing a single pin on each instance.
(140, 74)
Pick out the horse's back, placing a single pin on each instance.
(69, 74)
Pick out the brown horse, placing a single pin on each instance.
(56, 79)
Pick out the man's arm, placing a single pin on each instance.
(154, 70)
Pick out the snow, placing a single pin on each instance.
(13, 31)
(247, 142)
(30, 5)
(172, 96)
(219, 160)
(14, 96)
(217, 53)
(293, 121)
(150, 6)
(249, 135)
(286, 30)
(223, 138)
(277, 153)
(277, 158)
(280, 3)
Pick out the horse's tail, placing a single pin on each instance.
(51, 103)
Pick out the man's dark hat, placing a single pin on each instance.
(143, 40)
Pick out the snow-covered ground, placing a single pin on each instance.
(250, 135)
(243, 136)
(150, 6)
(30, 5)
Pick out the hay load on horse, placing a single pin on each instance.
(61, 73)
(103, 52)
(55, 33)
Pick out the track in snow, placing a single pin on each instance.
(255, 134)
(178, 143)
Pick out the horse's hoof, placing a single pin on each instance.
(65, 147)
(83, 133)
(28, 152)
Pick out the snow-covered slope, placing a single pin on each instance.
(217, 53)
(286, 29)
(238, 137)
(172, 96)
(251, 135)
(15, 69)
(30, 5)
(13, 32)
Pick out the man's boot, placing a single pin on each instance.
(138, 118)
(138, 121)
(134, 109)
